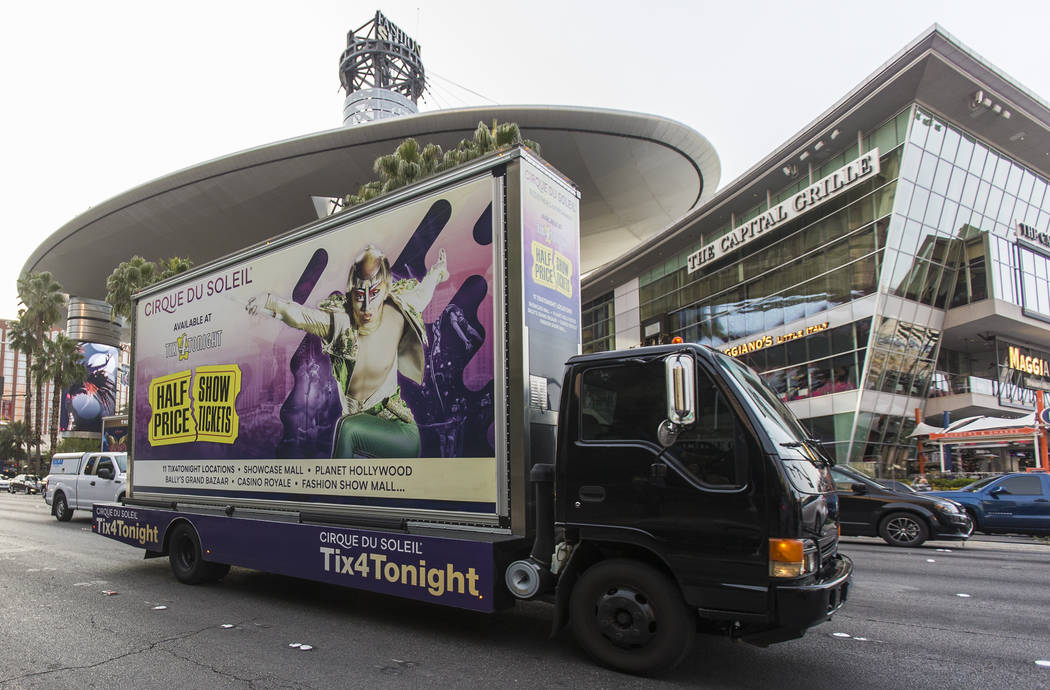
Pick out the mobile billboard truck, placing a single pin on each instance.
(392, 399)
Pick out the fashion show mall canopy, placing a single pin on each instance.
(637, 174)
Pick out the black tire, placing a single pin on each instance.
(629, 616)
(904, 529)
(973, 518)
(61, 509)
(187, 561)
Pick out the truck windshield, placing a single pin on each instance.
(775, 416)
(804, 461)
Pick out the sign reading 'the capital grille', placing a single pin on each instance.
(1028, 235)
(860, 170)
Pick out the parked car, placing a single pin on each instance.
(868, 509)
(26, 483)
(5, 483)
(1017, 502)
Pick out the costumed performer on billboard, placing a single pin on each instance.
(370, 334)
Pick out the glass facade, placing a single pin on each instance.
(842, 310)
(597, 324)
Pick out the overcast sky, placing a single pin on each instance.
(101, 97)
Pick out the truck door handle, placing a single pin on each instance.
(92, 483)
(592, 494)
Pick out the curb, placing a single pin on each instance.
(969, 545)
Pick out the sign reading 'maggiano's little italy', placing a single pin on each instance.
(809, 198)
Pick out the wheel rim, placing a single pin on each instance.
(903, 530)
(625, 617)
(60, 506)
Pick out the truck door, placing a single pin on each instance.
(697, 503)
(93, 489)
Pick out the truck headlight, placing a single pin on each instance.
(792, 558)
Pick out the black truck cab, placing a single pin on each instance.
(686, 492)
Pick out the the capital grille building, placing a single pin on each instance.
(888, 264)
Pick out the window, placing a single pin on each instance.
(622, 403)
(1022, 486)
(843, 481)
(714, 450)
(627, 403)
(90, 467)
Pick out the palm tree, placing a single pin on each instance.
(408, 163)
(486, 140)
(44, 305)
(126, 279)
(135, 274)
(64, 367)
(22, 338)
(40, 374)
(12, 437)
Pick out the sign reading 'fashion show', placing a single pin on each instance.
(806, 200)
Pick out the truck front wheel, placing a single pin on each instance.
(63, 513)
(187, 562)
(631, 617)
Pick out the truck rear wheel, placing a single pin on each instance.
(631, 617)
(187, 561)
(62, 511)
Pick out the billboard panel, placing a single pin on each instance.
(352, 367)
(551, 244)
(86, 402)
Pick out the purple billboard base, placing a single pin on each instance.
(440, 570)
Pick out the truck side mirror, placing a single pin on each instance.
(105, 473)
(859, 488)
(681, 389)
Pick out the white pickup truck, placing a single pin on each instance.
(80, 480)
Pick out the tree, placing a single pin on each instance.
(64, 367)
(45, 304)
(136, 274)
(22, 338)
(12, 438)
(78, 445)
(409, 163)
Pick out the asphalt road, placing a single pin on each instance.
(905, 626)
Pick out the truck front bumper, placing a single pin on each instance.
(801, 606)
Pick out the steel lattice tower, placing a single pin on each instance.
(381, 72)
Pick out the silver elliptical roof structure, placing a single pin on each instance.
(637, 173)
(381, 72)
